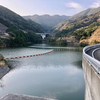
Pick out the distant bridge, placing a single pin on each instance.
(42, 34)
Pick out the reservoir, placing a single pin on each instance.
(56, 75)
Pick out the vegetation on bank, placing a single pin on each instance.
(2, 60)
(53, 41)
(19, 38)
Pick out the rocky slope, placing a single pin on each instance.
(94, 39)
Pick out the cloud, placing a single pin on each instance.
(74, 5)
(95, 4)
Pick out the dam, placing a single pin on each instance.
(91, 69)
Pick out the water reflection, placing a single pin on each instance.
(78, 64)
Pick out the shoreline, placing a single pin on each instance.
(4, 70)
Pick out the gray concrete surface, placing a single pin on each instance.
(92, 81)
(23, 97)
(3, 70)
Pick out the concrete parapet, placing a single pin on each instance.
(92, 81)
(23, 97)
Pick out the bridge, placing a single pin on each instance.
(91, 69)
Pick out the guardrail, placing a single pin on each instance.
(95, 63)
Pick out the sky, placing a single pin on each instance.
(51, 7)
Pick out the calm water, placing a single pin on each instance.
(56, 75)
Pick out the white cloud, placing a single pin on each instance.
(74, 5)
(95, 4)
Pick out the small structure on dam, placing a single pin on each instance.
(91, 69)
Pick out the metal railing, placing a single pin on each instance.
(95, 63)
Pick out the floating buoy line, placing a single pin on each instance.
(44, 53)
(29, 55)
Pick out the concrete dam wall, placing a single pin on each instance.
(91, 75)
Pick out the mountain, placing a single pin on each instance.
(85, 12)
(82, 27)
(63, 24)
(47, 21)
(11, 19)
(37, 27)
(19, 31)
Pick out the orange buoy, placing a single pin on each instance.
(16, 57)
(30, 55)
(23, 56)
(27, 55)
(20, 57)
(7, 58)
(33, 55)
(11, 57)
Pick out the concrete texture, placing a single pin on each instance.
(22, 97)
(92, 81)
(3, 70)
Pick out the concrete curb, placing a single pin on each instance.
(23, 97)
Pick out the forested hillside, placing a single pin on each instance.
(85, 12)
(20, 31)
(82, 27)
(11, 19)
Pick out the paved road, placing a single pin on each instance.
(97, 54)
(89, 52)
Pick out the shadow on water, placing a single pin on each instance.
(1, 83)
(78, 64)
